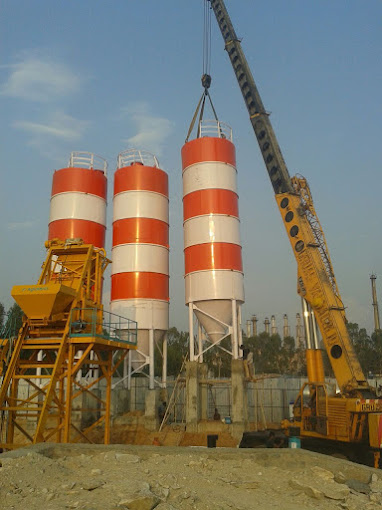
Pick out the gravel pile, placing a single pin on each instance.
(95, 477)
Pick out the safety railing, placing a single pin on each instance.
(215, 128)
(87, 160)
(92, 322)
(131, 156)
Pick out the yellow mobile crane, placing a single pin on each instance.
(354, 416)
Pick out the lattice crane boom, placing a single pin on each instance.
(316, 280)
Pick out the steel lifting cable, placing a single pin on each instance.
(194, 117)
(207, 39)
(206, 77)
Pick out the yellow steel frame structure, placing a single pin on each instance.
(62, 333)
(4, 349)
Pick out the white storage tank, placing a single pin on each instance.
(78, 201)
(212, 249)
(140, 253)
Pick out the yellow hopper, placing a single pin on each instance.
(43, 301)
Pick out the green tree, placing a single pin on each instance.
(177, 349)
(17, 317)
(363, 346)
(288, 363)
(2, 315)
(11, 322)
(376, 359)
(219, 361)
(266, 351)
(289, 344)
(273, 355)
(270, 355)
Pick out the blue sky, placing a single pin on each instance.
(107, 76)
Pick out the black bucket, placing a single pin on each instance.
(211, 440)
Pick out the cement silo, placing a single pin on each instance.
(212, 249)
(78, 201)
(78, 207)
(140, 253)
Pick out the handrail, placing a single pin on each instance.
(86, 322)
(215, 128)
(131, 156)
(87, 160)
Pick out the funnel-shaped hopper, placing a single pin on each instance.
(138, 357)
(43, 301)
(217, 310)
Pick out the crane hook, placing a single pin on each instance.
(206, 81)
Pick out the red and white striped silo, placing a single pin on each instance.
(212, 249)
(140, 253)
(78, 201)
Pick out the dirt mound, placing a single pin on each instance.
(129, 429)
(95, 477)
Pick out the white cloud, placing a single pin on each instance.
(39, 79)
(20, 225)
(58, 127)
(151, 131)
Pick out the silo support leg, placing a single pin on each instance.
(191, 330)
(151, 358)
(108, 397)
(235, 340)
(164, 362)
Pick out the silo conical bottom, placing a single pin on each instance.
(220, 310)
(138, 358)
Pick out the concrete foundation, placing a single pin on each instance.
(132, 399)
(196, 394)
(151, 410)
(91, 408)
(120, 401)
(203, 391)
(239, 413)
(197, 398)
(192, 396)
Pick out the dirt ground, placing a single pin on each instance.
(129, 429)
(169, 436)
(95, 477)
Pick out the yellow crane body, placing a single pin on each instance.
(319, 290)
(354, 415)
(320, 412)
